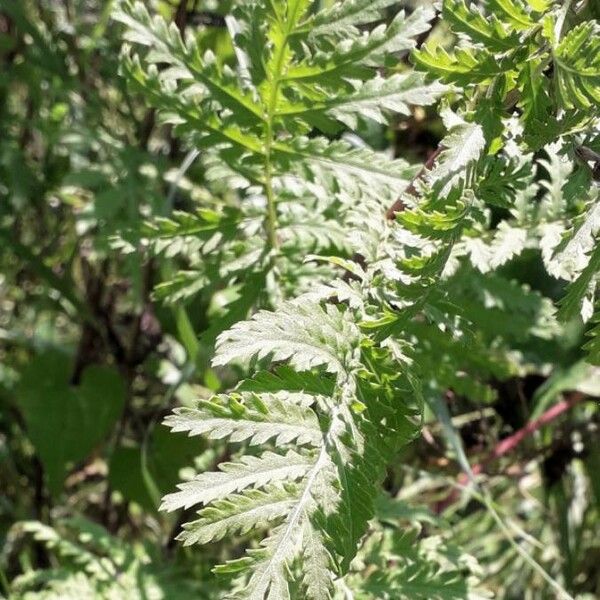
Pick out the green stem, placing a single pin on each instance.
(4, 582)
(275, 81)
(487, 502)
(271, 221)
(482, 495)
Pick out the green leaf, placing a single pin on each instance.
(370, 48)
(337, 163)
(186, 62)
(65, 423)
(514, 11)
(579, 299)
(257, 418)
(317, 578)
(463, 67)
(372, 99)
(418, 581)
(159, 458)
(592, 347)
(506, 243)
(125, 476)
(577, 64)
(482, 28)
(342, 18)
(578, 260)
(182, 111)
(535, 100)
(240, 513)
(283, 378)
(306, 336)
(463, 145)
(236, 476)
(502, 180)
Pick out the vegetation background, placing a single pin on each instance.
(95, 353)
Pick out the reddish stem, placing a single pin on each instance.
(399, 205)
(511, 442)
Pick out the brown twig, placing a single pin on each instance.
(399, 205)
(509, 444)
(181, 17)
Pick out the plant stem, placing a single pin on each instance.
(510, 443)
(271, 219)
(482, 495)
(275, 81)
(487, 502)
(4, 582)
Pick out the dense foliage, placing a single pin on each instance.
(299, 299)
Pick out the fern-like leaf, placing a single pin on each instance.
(463, 145)
(577, 60)
(239, 514)
(236, 476)
(485, 29)
(283, 417)
(306, 336)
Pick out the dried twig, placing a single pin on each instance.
(399, 205)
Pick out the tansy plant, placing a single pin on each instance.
(365, 285)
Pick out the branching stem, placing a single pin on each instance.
(271, 222)
(276, 76)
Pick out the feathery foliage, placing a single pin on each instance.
(406, 310)
(316, 301)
